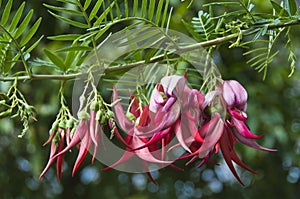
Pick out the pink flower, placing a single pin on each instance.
(173, 111)
(85, 137)
(223, 133)
(140, 146)
(57, 140)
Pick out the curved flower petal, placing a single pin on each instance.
(51, 159)
(81, 131)
(212, 132)
(160, 121)
(235, 94)
(243, 129)
(173, 85)
(156, 100)
(251, 142)
(60, 159)
(83, 151)
(156, 138)
(180, 136)
(230, 155)
(122, 120)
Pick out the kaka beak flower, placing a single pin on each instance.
(223, 133)
(173, 105)
(56, 147)
(235, 97)
(133, 141)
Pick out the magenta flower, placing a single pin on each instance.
(85, 137)
(223, 133)
(133, 142)
(57, 140)
(173, 111)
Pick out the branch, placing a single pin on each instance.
(154, 59)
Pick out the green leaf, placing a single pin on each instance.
(31, 32)
(126, 8)
(291, 6)
(69, 21)
(158, 11)
(103, 15)
(23, 25)
(86, 4)
(117, 10)
(6, 13)
(95, 9)
(70, 2)
(67, 37)
(56, 60)
(203, 25)
(165, 14)
(144, 8)
(16, 18)
(63, 10)
(151, 10)
(261, 32)
(279, 10)
(135, 7)
(75, 48)
(191, 30)
(102, 31)
(33, 46)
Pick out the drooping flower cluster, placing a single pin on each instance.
(65, 136)
(176, 116)
(201, 124)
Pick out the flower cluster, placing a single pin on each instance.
(201, 124)
(176, 116)
(66, 134)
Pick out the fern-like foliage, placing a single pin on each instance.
(15, 36)
(263, 54)
(204, 26)
(95, 18)
(259, 27)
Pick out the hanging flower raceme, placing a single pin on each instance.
(60, 136)
(175, 116)
(173, 110)
(226, 126)
(85, 136)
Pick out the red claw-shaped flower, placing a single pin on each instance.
(201, 125)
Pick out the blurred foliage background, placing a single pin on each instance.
(273, 111)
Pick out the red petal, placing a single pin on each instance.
(251, 143)
(122, 120)
(60, 159)
(83, 150)
(161, 120)
(80, 132)
(51, 159)
(243, 129)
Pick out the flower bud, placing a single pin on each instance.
(82, 115)
(62, 125)
(98, 115)
(95, 105)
